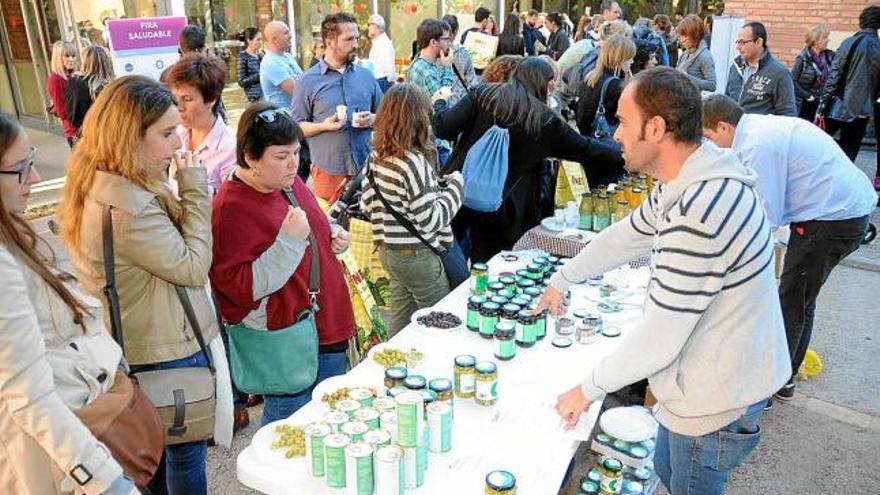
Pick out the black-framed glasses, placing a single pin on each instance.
(24, 167)
(743, 42)
(271, 115)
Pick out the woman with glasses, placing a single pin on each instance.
(63, 64)
(263, 248)
(696, 61)
(55, 355)
(161, 243)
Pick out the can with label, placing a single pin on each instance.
(355, 430)
(377, 439)
(315, 435)
(440, 427)
(368, 416)
(422, 452)
(334, 456)
(358, 469)
(388, 422)
(413, 476)
(336, 419)
(410, 419)
(384, 404)
(390, 478)
(363, 395)
(348, 406)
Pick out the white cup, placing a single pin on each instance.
(341, 112)
(559, 217)
(356, 116)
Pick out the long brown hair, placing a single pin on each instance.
(403, 124)
(21, 240)
(112, 131)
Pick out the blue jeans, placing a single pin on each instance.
(277, 407)
(702, 465)
(184, 463)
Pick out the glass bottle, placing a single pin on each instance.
(601, 213)
(586, 212)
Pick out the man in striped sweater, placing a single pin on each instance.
(711, 341)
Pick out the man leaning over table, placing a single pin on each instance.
(338, 147)
(711, 341)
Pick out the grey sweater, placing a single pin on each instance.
(769, 91)
(711, 341)
(700, 66)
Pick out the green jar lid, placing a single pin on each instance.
(486, 367)
(440, 385)
(396, 373)
(415, 382)
(521, 301)
(511, 308)
(589, 487)
(499, 300)
(505, 329)
(533, 291)
(508, 280)
(594, 475)
(612, 464)
(541, 260)
(496, 286)
(500, 480)
(534, 268)
(465, 361)
(638, 452)
(428, 396)
(477, 299)
(505, 293)
(525, 283)
(491, 306)
(396, 390)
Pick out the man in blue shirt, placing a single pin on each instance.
(278, 70)
(339, 147)
(432, 70)
(806, 181)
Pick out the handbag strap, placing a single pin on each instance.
(601, 109)
(315, 271)
(113, 296)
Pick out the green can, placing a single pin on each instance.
(473, 312)
(377, 439)
(410, 419)
(315, 435)
(479, 278)
(413, 476)
(389, 472)
(355, 430)
(440, 427)
(359, 469)
(334, 456)
(369, 416)
(489, 314)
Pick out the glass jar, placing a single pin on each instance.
(443, 388)
(587, 331)
(524, 284)
(541, 325)
(486, 390)
(394, 376)
(509, 282)
(494, 287)
(415, 382)
(620, 211)
(473, 312)
(480, 278)
(612, 475)
(500, 483)
(564, 326)
(499, 300)
(508, 313)
(526, 328)
(535, 272)
(585, 212)
(489, 316)
(465, 376)
(505, 345)
(601, 213)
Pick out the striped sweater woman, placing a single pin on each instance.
(402, 170)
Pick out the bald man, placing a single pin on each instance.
(278, 70)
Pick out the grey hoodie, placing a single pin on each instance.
(769, 91)
(711, 341)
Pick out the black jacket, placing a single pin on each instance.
(807, 75)
(588, 103)
(510, 45)
(249, 75)
(558, 43)
(78, 99)
(860, 83)
(466, 122)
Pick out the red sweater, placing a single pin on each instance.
(57, 87)
(245, 223)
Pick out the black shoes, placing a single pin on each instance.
(786, 392)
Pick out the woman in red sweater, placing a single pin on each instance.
(262, 250)
(63, 65)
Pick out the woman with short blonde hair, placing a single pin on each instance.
(62, 65)
(810, 71)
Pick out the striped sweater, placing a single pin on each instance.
(411, 186)
(711, 340)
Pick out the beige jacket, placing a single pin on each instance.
(48, 366)
(152, 256)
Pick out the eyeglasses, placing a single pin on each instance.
(271, 115)
(444, 38)
(743, 42)
(26, 165)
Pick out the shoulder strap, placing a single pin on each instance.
(194, 322)
(459, 76)
(852, 48)
(601, 109)
(315, 271)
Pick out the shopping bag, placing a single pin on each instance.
(482, 48)
(571, 183)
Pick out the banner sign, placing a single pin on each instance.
(145, 46)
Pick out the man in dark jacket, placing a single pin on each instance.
(855, 82)
(757, 81)
(532, 31)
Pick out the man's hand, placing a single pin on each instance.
(553, 300)
(571, 405)
(332, 123)
(339, 239)
(447, 58)
(364, 119)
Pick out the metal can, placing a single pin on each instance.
(612, 475)
(335, 419)
(564, 326)
(479, 278)
(315, 435)
(388, 422)
(394, 376)
(359, 469)
(348, 406)
(505, 345)
(377, 439)
(390, 478)
(410, 419)
(413, 476)
(355, 430)
(500, 483)
(440, 427)
(489, 315)
(464, 376)
(362, 395)
(486, 393)
(384, 404)
(415, 382)
(473, 312)
(369, 416)
(334, 456)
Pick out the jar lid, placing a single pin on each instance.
(534, 268)
(486, 367)
(511, 308)
(526, 283)
(491, 306)
(428, 396)
(480, 267)
(506, 280)
(496, 286)
(532, 291)
(589, 487)
(521, 272)
(500, 480)
(504, 330)
(612, 464)
(562, 342)
(414, 382)
(526, 314)
(541, 260)
(440, 385)
(477, 299)
(499, 300)
(610, 331)
(465, 360)
(396, 373)
(521, 300)
(581, 314)
(638, 452)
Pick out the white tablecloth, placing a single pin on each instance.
(521, 434)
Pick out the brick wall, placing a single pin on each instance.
(788, 21)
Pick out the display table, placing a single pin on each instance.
(522, 433)
(567, 243)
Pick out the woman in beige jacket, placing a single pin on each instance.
(55, 355)
(160, 242)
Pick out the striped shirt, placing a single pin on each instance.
(411, 186)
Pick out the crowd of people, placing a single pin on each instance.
(179, 226)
